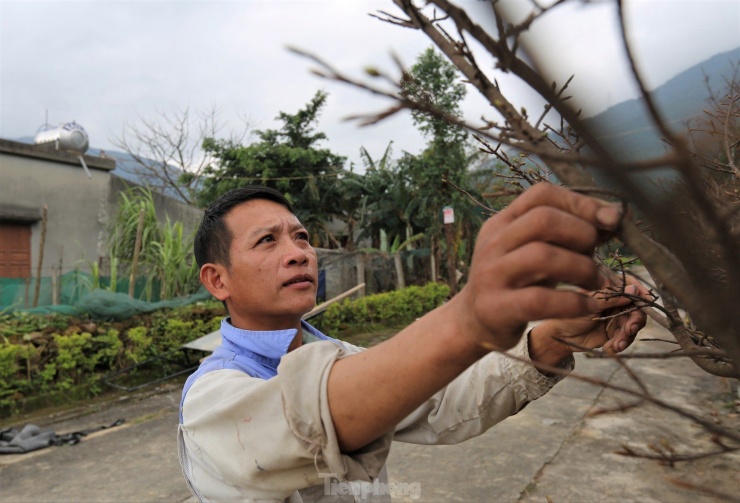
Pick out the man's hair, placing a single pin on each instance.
(213, 239)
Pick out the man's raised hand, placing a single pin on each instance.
(545, 237)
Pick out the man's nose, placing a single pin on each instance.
(295, 254)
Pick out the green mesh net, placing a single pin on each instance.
(77, 293)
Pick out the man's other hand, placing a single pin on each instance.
(612, 326)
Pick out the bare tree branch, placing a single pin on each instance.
(167, 149)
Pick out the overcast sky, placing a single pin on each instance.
(105, 63)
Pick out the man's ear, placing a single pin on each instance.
(212, 277)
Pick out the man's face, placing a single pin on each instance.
(273, 276)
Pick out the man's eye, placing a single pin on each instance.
(266, 239)
(302, 235)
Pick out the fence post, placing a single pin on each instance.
(41, 256)
(448, 219)
(61, 273)
(451, 269)
(360, 259)
(401, 280)
(54, 286)
(27, 282)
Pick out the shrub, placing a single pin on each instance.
(138, 345)
(14, 367)
(390, 308)
(43, 354)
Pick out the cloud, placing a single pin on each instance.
(104, 63)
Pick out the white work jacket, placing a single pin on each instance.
(255, 423)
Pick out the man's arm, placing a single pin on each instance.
(545, 237)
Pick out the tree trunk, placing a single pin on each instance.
(451, 269)
(360, 260)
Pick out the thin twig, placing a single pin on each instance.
(468, 195)
(707, 424)
(706, 490)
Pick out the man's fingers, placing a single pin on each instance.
(603, 215)
(609, 299)
(544, 264)
(609, 293)
(534, 303)
(625, 330)
(550, 225)
(544, 237)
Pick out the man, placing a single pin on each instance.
(282, 412)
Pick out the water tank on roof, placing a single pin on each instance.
(66, 136)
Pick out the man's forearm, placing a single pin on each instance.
(370, 392)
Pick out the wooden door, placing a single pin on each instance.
(15, 250)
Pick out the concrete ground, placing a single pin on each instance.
(554, 450)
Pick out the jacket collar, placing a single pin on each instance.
(268, 344)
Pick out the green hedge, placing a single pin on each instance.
(43, 355)
(50, 354)
(391, 308)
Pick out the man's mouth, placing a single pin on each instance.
(301, 278)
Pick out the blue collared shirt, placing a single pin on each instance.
(256, 353)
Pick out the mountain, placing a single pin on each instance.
(128, 169)
(627, 126)
(125, 164)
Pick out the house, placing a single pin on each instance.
(80, 200)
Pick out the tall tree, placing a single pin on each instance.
(435, 81)
(288, 159)
(348, 194)
(386, 199)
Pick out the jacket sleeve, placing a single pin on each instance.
(494, 388)
(269, 438)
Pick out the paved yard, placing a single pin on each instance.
(551, 449)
